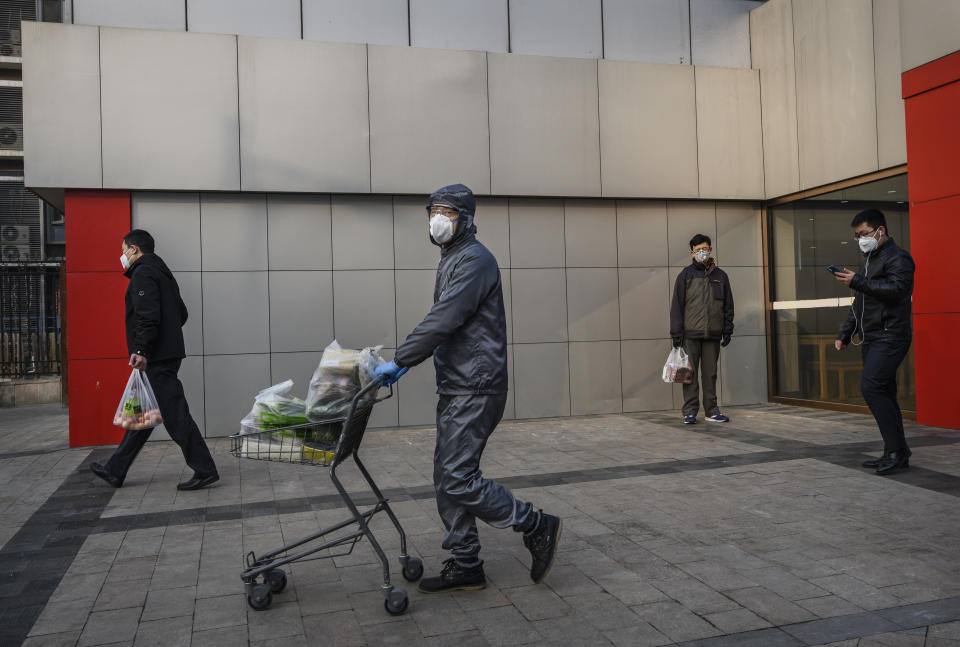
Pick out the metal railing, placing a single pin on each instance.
(30, 321)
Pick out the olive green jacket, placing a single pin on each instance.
(702, 305)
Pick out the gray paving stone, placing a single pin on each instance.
(539, 602)
(758, 638)
(923, 614)
(736, 621)
(224, 611)
(287, 641)
(941, 642)
(695, 595)
(487, 598)
(62, 617)
(225, 637)
(465, 639)
(322, 598)
(168, 632)
(79, 587)
(839, 628)
(829, 606)
(438, 615)
(122, 594)
(400, 633)
(106, 627)
(136, 568)
(642, 635)
(856, 591)
(279, 621)
(949, 630)
(67, 639)
(675, 621)
(504, 626)
(337, 629)
(602, 611)
(567, 631)
(169, 603)
(771, 606)
(892, 640)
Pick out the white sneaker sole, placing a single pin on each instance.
(712, 420)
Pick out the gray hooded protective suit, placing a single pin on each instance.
(466, 332)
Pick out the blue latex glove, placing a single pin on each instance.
(390, 371)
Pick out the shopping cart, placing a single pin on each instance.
(323, 444)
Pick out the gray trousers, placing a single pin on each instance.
(464, 423)
(704, 355)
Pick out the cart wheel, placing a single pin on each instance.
(277, 580)
(260, 598)
(413, 569)
(397, 602)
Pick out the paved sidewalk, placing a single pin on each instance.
(764, 532)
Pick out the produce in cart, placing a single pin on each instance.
(340, 376)
(275, 408)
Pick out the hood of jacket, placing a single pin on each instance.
(149, 260)
(460, 197)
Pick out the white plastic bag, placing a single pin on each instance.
(677, 369)
(339, 377)
(138, 408)
(273, 408)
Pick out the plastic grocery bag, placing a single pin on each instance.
(677, 369)
(275, 407)
(138, 408)
(339, 377)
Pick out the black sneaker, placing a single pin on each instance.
(455, 577)
(542, 543)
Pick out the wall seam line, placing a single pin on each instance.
(796, 102)
(236, 41)
(486, 69)
(366, 49)
(876, 89)
(696, 129)
(599, 134)
(100, 97)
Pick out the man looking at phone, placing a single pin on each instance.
(881, 315)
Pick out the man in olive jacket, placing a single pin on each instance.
(154, 318)
(882, 315)
(701, 320)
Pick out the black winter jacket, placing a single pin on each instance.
(155, 313)
(702, 306)
(466, 329)
(882, 308)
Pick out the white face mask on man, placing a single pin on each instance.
(701, 255)
(869, 242)
(441, 228)
(124, 261)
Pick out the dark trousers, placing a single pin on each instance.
(176, 418)
(464, 423)
(704, 355)
(881, 359)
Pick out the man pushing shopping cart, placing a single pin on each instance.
(466, 333)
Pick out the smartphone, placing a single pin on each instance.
(833, 269)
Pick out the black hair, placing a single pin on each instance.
(872, 217)
(141, 239)
(699, 239)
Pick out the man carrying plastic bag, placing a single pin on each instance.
(466, 333)
(155, 315)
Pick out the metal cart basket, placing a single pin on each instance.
(324, 444)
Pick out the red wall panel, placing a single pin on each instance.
(95, 315)
(932, 75)
(933, 139)
(936, 353)
(935, 283)
(96, 386)
(96, 222)
(95, 226)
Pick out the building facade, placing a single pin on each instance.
(282, 152)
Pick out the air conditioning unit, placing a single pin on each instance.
(10, 42)
(15, 253)
(15, 235)
(11, 137)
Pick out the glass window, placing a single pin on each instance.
(810, 305)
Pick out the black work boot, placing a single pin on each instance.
(455, 577)
(899, 460)
(542, 543)
(874, 463)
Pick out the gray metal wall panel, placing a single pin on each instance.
(173, 219)
(595, 386)
(836, 111)
(646, 109)
(771, 33)
(729, 138)
(652, 31)
(459, 24)
(383, 22)
(428, 119)
(556, 28)
(303, 116)
(278, 18)
(720, 32)
(928, 30)
(144, 14)
(891, 122)
(544, 126)
(61, 106)
(169, 104)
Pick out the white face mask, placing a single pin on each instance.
(441, 228)
(125, 261)
(702, 255)
(869, 243)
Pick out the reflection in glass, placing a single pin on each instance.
(806, 237)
